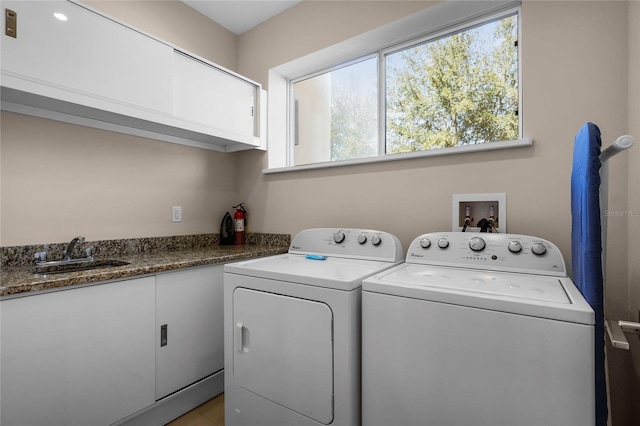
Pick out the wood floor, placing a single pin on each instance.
(211, 413)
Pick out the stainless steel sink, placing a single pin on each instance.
(73, 265)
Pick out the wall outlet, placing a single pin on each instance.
(176, 214)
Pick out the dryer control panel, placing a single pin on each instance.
(496, 252)
(349, 243)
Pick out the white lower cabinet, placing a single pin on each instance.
(95, 355)
(82, 356)
(189, 327)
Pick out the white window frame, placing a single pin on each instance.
(442, 18)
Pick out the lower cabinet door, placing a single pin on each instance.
(189, 327)
(82, 356)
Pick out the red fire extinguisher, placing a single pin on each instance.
(239, 221)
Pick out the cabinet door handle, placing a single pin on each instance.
(163, 335)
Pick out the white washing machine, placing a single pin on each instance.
(477, 329)
(292, 328)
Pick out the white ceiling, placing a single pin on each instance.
(239, 16)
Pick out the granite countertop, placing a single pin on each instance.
(17, 277)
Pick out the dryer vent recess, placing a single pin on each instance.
(470, 209)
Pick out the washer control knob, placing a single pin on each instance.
(538, 248)
(376, 240)
(425, 243)
(362, 238)
(515, 246)
(443, 243)
(338, 237)
(477, 244)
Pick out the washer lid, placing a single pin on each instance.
(483, 282)
(330, 272)
(526, 294)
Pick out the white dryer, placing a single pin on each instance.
(292, 328)
(477, 329)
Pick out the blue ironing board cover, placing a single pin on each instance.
(586, 245)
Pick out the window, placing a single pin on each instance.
(336, 114)
(451, 89)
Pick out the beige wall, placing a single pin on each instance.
(624, 303)
(58, 180)
(563, 86)
(574, 69)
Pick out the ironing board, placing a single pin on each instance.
(586, 246)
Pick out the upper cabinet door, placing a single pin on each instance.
(67, 46)
(214, 97)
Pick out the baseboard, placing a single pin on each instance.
(173, 406)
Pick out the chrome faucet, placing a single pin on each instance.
(72, 245)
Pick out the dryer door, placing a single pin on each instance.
(283, 351)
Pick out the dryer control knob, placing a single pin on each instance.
(338, 237)
(376, 240)
(538, 248)
(443, 243)
(515, 246)
(425, 243)
(477, 244)
(362, 238)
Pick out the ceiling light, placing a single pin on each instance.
(60, 16)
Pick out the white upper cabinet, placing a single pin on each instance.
(71, 63)
(87, 55)
(213, 96)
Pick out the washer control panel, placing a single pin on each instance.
(350, 243)
(497, 252)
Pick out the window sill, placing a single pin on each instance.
(406, 156)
